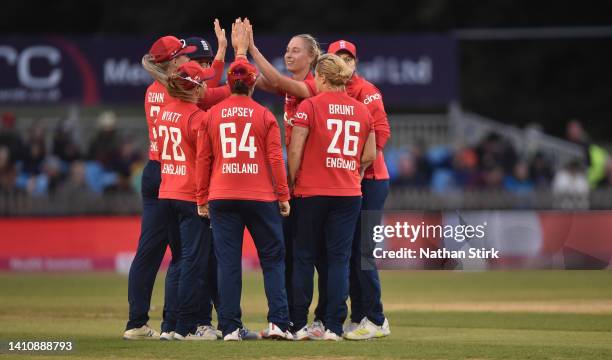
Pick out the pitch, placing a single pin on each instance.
(433, 314)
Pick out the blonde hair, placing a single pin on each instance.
(313, 47)
(335, 70)
(158, 71)
(182, 89)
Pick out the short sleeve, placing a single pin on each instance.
(304, 115)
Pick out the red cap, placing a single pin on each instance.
(168, 47)
(242, 70)
(342, 45)
(193, 74)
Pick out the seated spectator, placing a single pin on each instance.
(495, 151)
(35, 150)
(104, 147)
(465, 168)
(492, 179)
(519, 181)
(408, 173)
(10, 138)
(8, 173)
(540, 171)
(65, 145)
(571, 187)
(76, 183)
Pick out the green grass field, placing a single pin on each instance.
(433, 315)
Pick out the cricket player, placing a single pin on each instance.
(242, 183)
(164, 57)
(367, 319)
(332, 142)
(177, 127)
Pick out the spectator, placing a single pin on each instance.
(571, 187)
(494, 151)
(465, 168)
(408, 172)
(519, 182)
(8, 174)
(76, 183)
(596, 156)
(492, 178)
(65, 145)
(104, 147)
(606, 182)
(10, 138)
(35, 150)
(127, 157)
(540, 171)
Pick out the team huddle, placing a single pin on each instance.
(216, 167)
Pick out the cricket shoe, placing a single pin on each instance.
(207, 332)
(316, 330)
(351, 326)
(167, 336)
(367, 330)
(331, 336)
(142, 333)
(193, 337)
(241, 334)
(273, 332)
(301, 334)
(385, 330)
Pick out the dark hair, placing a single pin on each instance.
(240, 88)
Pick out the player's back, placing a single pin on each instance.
(156, 97)
(338, 129)
(238, 128)
(177, 127)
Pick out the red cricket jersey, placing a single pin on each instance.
(364, 91)
(338, 130)
(177, 130)
(292, 103)
(239, 153)
(212, 96)
(156, 97)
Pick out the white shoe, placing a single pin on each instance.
(219, 334)
(167, 336)
(275, 333)
(233, 336)
(316, 331)
(301, 334)
(206, 332)
(142, 333)
(192, 337)
(351, 326)
(331, 336)
(366, 330)
(385, 330)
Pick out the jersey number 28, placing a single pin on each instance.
(173, 134)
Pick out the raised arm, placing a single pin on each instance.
(274, 79)
(221, 42)
(240, 39)
(218, 63)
